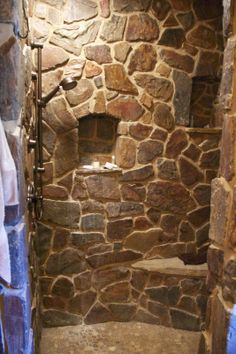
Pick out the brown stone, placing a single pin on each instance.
(202, 193)
(142, 223)
(100, 248)
(123, 312)
(100, 260)
(221, 200)
(113, 30)
(60, 239)
(92, 206)
(50, 79)
(79, 10)
(210, 159)
(66, 262)
(203, 37)
(186, 232)
(146, 317)
(105, 8)
(178, 61)
(53, 57)
(124, 209)
(83, 281)
(202, 235)
(193, 152)
(119, 292)
(82, 240)
(140, 131)
(156, 87)
(182, 97)
(52, 318)
(142, 27)
(81, 93)
(160, 8)
(125, 152)
(149, 150)
(144, 241)
(154, 215)
(92, 70)
(133, 192)
(67, 181)
(49, 138)
(81, 303)
(163, 69)
(98, 314)
(144, 58)
(207, 11)
(172, 37)
(184, 320)
(139, 174)
(167, 169)
(171, 21)
(73, 37)
(125, 108)
(125, 6)
(100, 105)
(122, 50)
(169, 197)
(119, 229)
(146, 100)
(99, 53)
(53, 191)
(92, 222)
(79, 191)
(226, 85)
(186, 20)
(181, 5)
(74, 68)
(62, 212)
(117, 79)
(103, 187)
(66, 153)
(169, 223)
(98, 82)
(189, 173)
(208, 64)
(104, 277)
(199, 216)
(163, 116)
(63, 287)
(159, 134)
(48, 172)
(176, 143)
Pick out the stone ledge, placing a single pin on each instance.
(172, 266)
(204, 130)
(96, 171)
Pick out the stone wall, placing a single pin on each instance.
(221, 254)
(155, 68)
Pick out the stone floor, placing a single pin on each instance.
(118, 338)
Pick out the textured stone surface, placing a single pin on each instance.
(66, 262)
(66, 151)
(92, 70)
(117, 79)
(119, 229)
(163, 116)
(92, 222)
(149, 150)
(122, 50)
(156, 87)
(142, 27)
(189, 172)
(178, 61)
(144, 241)
(160, 9)
(140, 131)
(139, 174)
(172, 37)
(125, 6)
(105, 8)
(144, 58)
(167, 169)
(53, 57)
(183, 90)
(202, 36)
(99, 53)
(81, 93)
(125, 152)
(125, 108)
(62, 212)
(79, 10)
(81, 240)
(133, 192)
(103, 187)
(113, 30)
(176, 143)
(124, 209)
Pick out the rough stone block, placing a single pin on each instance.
(183, 90)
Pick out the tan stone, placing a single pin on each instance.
(125, 152)
(92, 70)
(163, 116)
(104, 8)
(144, 58)
(146, 100)
(74, 68)
(144, 241)
(53, 57)
(81, 93)
(113, 29)
(103, 187)
(142, 27)
(100, 53)
(55, 192)
(117, 79)
(163, 70)
(178, 61)
(122, 50)
(156, 87)
(79, 10)
(125, 108)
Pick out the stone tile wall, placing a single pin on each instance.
(142, 63)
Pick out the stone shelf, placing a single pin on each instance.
(204, 130)
(172, 266)
(7, 37)
(95, 171)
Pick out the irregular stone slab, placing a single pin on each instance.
(40, 29)
(54, 318)
(208, 64)
(149, 150)
(167, 169)
(142, 27)
(176, 60)
(125, 108)
(202, 36)
(74, 68)
(100, 53)
(163, 116)
(104, 8)
(144, 58)
(140, 131)
(185, 320)
(98, 314)
(144, 241)
(62, 213)
(210, 159)
(79, 10)
(176, 143)
(53, 57)
(169, 197)
(66, 262)
(189, 173)
(186, 20)
(60, 239)
(121, 51)
(79, 239)
(221, 200)
(193, 152)
(202, 193)
(119, 292)
(124, 209)
(63, 287)
(112, 257)
(92, 206)
(103, 187)
(81, 93)
(159, 134)
(154, 215)
(81, 303)
(156, 87)
(100, 105)
(104, 277)
(117, 79)
(186, 232)
(172, 37)
(123, 312)
(160, 8)
(113, 30)
(171, 21)
(83, 281)
(227, 162)
(199, 216)
(134, 193)
(52, 191)
(182, 98)
(125, 6)
(125, 152)
(92, 222)
(140, 174)
(119, 229)
(73, 37)
(92, 70)
(207, 11)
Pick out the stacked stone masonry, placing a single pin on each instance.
(153, 67)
